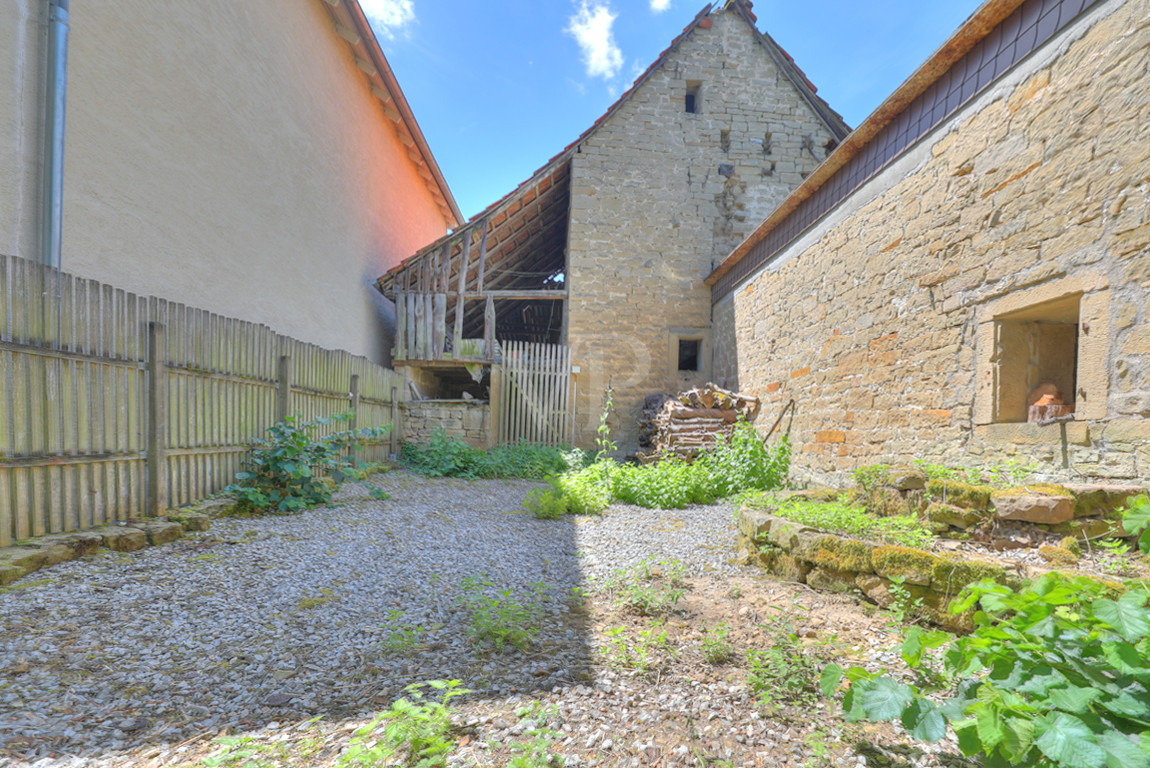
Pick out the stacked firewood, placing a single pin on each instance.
(684, 425)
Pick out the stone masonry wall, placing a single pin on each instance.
(658, 197)
(467, 420)
(886, 322)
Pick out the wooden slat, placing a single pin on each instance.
(73, 404)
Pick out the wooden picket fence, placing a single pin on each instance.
(536, 400)
(114, 406)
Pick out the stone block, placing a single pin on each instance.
(835, 552)
(754, 523)
(1049, 510)
(951, 574)
(162, 532)
(1101, 499)
(833, 581)
(30, 558)
(190, 521)
(960, 494)
(954, 516)
(122, 538)
(9, 573)
(906, 478)
(915, 566)
(785, 533)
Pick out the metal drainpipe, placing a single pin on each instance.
(53, 188)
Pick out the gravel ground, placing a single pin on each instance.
(261, 624)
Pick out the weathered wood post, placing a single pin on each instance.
(353, 400)
(283, 388)
(495, 406)
(157, 375)
(395, 421)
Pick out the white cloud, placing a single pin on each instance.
(388, 17)
(658, 6)
(591, 28)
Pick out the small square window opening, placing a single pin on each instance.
(693, 102)
(689, 354)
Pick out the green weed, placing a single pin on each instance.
(401, 639)
(498, 618)
(415, 730)
(717, 647)
(642, 653)
(784, 671)
(906, 530)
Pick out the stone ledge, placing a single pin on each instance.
(29, 556)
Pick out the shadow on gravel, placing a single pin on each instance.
(331, 614)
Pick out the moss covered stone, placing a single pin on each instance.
(958, 494)
(784, 566)
(1089, 528)
(829, 551)
(1071, 545)
(954, 516)
(1057, 555)
(906, 478)
(831, 580)
(950, 575)
(914, 566)
(785, 533)
(1035, 489)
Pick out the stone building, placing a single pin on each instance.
(981, 244)
(256, 159)
(605, 248)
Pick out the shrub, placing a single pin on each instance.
(743, 462)
(545, 504)
(282, 470)
(1053, 676)
(445, 456)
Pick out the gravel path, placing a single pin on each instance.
(281, 618)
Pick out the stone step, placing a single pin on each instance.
(1049, 510)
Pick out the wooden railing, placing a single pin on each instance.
(113, 406)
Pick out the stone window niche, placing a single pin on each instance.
(690, 352)
(1036, 361)
(1040, 345)
(693, 102)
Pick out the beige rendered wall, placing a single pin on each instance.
(229, 155)
(881, 322)
(22, 44)
(651, 213)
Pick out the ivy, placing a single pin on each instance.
(1055, 675)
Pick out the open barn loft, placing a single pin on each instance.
(500, 277)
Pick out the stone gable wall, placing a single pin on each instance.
(657, 202)
(881, 321)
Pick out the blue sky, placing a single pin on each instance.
(499, 86)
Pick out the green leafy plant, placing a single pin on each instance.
(603, 432)
(784, 671)
(1054, 675)
(903, 606)
(642, 653)
(379, 493)
(905, 530)
(498, 618)
(416, 730)
(648, 589)
(717, 647)
(742, 461)
(1136, 521)
(402, 639)
(445, 456)
(286, 471)
(545, 504)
